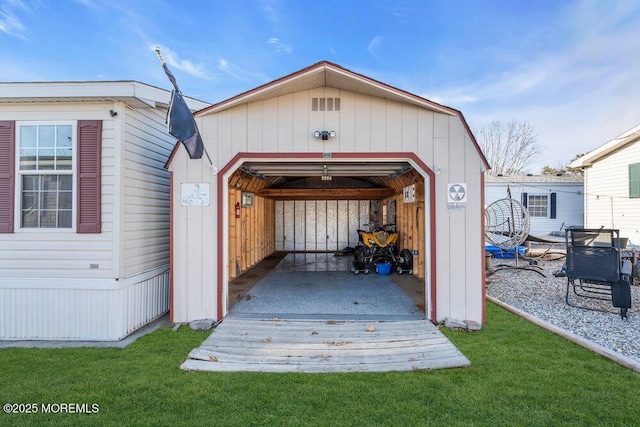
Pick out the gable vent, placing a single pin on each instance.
(325, 104)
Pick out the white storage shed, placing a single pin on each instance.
(302, 162)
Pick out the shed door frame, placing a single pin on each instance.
(223, 211)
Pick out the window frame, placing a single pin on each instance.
(548, 205)
(18, 190)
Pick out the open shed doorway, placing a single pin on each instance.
(277, 206)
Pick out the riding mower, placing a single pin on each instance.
(379, 247)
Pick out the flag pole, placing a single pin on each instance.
(175, 87)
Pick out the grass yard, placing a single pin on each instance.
(519, 375)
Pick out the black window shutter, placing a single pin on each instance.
(89, 176)
(553, 205)
(7, 175)
(524, 199)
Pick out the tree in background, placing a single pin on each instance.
(509, 147)
(564, 169)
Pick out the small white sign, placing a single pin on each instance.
(409, 193)
(195, 194)
(457, 195)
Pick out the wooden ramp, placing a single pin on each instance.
(249, 345)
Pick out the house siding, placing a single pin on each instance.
(607, 202)
(145, 191)
(63, 253)
(569, 202)
(64, 285)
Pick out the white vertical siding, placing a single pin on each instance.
(474, 215)
(444, 263)
(607, 202)
(194, 270)
(348, 140)
(363, 114)
(460, 238)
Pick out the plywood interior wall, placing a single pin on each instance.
(251, 237)
(319, 225)
(410, 219)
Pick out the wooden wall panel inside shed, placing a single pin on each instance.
(410, 225)
(252, 236)
(410, 219)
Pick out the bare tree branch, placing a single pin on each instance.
(509, 147)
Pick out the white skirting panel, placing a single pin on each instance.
(101, 310)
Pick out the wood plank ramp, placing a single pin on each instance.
(252, 345)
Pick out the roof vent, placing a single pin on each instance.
(325, 104)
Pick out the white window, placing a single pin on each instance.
(538, 205)
(45, 166)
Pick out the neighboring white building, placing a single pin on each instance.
(84, 209)
(555, 202)
(386, 137)
(612, 185)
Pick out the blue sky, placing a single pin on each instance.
(569, 68)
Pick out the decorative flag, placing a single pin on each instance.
(180, 122)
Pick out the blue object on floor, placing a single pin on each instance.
(383, 269)
(504, 253)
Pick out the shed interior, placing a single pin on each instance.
(318, 206)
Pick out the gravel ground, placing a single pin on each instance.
(544, 298)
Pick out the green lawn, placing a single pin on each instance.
(519, 375)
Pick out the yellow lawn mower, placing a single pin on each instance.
(377, 249)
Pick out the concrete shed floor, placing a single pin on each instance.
(308, 313)
(320, 286)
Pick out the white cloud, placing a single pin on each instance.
(267, 6)
(234, 71)
(374, 45)
(172, 59)
(10, 24)
(577, 96)
(279, 46)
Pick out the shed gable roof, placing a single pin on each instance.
(325, 74)
(328, 74)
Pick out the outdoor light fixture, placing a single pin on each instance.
(324, 134)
